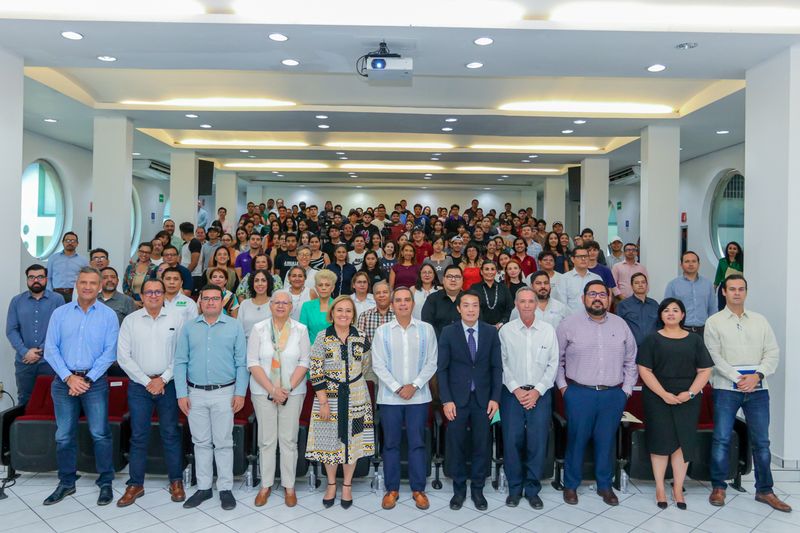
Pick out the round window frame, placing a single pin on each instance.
(721, 183)
(61, 208)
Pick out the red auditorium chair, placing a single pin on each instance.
(119, 423)
(244, 453)
(32, 434)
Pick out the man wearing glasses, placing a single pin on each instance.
(570, 291)
(596, 374)
(211, 380)
(26, 329)
(146, 352)
(440, 307)
(623, 271)
(64, 267)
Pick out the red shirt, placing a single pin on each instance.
(423, 250)
(528, 264)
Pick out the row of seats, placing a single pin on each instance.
(27, 441)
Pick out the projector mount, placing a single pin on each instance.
(381, 52)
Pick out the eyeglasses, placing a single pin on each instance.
(453, 277)
(153, 293)
(601, 295)
(211, 298)
(36, 278)
(71, 241)
(582, 256)
(281, 303)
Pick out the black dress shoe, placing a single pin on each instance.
(479, 500)
(536, 502)
(227, 500)
(197, 498)
(59, 494)
(106, 495)
(457, 501)
(513, 500)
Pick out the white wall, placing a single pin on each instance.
(629, 196)
(151, 209)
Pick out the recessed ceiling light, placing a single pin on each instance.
(339, 153)
(51, 120)
(447, 129)
(526, 160)
(533, 156)
(290, 62)
(343, 158)
(686, 46)
(279, 37)
(427, 178)
(437, 154)
(567, 132)
(722, 132)
(190, 115)
(639, 162)
(71, 35)
(205, 126)
(581, 107)
(107, 59)
(579, 121)
(286, 165)
(323, 126)
(483, 41)
(526, 170)
(656, 68)
(136, 153)
(434, 158)
(242, 142)
(504, 176)
(536, 147)
(451, 119)
(353, 175)
(424, 187)
(274, 171)
(358, 186)
(500, 179)
(428, 174)
(244, 151)
(487, 188)
(321, 117)
(280, 175)
(388, 166)
(474, 64)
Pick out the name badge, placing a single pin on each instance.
(180, 304)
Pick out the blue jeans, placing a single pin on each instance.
(141, 404)
(26, 378)
(68, 409)
(756, 412)
(525, 434)
(393, 419)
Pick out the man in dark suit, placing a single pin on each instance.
(470, 379)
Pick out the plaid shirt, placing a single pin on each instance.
(371, 320)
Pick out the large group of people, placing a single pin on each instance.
(474, 313)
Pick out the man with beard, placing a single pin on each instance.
(596, 374)
(26, 329)
(548, 309)
(121, 304)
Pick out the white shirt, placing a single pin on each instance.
(260, 351)
(183, 305)
(402, 356)
(297, 302)
(311, 279)
(355, 258)
(554, 312)
(555, 284)
(529, 354)
(146, 346)
(420, 295)
(363, 305)
(570, 289)
(474, 333)
(251, 314)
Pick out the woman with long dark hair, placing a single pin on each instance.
(732, 263)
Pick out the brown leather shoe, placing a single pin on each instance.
(177, 492)
(390, 499)
(717, 497)
(774, 502)
(131, 493)
(262, 497)
(290, 497)
(420, 499)
(609, 498)
(571, 496)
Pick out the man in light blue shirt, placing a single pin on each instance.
(695, 291)
(64, 267)
(211, 382)
(404, 357)
(81, 344)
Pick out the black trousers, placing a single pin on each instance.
(473, 416)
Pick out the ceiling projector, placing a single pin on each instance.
(383, 65)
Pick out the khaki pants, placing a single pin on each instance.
(278, 424)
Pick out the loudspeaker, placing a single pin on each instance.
(574, 177)
(205, 177)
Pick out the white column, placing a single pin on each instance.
(255, 193)
(11, 95)
(226, 195)
(555, 199)
(772, 156)
(594, 198)
(659, 220)
(112, 183)
(183, 188)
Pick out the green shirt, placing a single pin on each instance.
(314, 319)
(723, 267)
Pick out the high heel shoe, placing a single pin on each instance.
(681, 505)
(662, 505)
(329, 503)
(346, 503)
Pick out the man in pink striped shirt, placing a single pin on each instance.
(623, 271)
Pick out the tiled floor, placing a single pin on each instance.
(23, 512)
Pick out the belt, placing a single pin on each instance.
(594, 387)
(209, 387)
(69, 290)
(342, 405)
(694, 329)
(527, 387)
(79, 373)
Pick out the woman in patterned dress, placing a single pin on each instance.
(341, 430)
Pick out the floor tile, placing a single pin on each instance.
(194, 522)
(601, 524)
(72, 521)
(546, 524)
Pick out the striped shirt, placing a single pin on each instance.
(596, 352)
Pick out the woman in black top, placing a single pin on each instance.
(674, 366)
(495, 298)
(372, 266)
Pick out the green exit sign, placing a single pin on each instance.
(619, 206)
(161, 198)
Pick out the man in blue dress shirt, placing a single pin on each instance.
(26, 329)
(64, 267)
(211, 380)
(81, 344)
(696, 293)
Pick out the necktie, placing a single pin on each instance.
(473, 347)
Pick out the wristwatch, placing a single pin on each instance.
(691, 395)
(760, 376)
